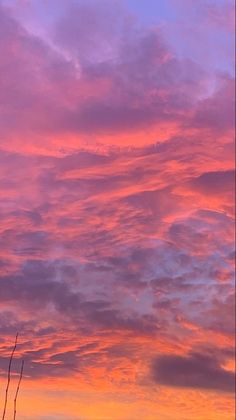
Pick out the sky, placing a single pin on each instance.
(117, 208)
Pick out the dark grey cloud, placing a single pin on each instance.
(215, 182)
(195, 370)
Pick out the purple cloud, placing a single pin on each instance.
(196, 370)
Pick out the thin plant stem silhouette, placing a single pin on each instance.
(9, 378)
(18, 387)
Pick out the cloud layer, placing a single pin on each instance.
(117, 214)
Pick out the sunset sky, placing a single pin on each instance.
(117, 208)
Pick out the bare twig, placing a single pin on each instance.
(18, 387)
(9, 378)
